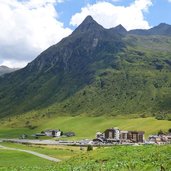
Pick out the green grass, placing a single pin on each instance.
(117, 158)
(122, 158)
(20, 161)
(60, 152)
(6, 132)
(84, 127)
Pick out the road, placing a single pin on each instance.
(38, 142)
(33, 153)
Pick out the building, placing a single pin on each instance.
(132, 136)
(158, 139)
(116, 135)
(154, 139)
(136, 136)
(100, 138)
(124, 136)
(52, 133)
(99, 135)
(112, 134)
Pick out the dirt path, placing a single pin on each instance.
(33, 153)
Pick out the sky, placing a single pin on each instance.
(28, 27)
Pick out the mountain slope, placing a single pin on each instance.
(94, 71)
(58, 72)
(5, 70)
(140, 82)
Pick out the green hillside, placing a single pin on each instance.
(136, 80)
(83, 126)
(95, 71)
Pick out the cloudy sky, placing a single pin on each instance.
(27, 27)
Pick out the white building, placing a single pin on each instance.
(53, 133)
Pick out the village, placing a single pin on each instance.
(111, 136)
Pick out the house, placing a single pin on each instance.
(154, 139)
(158, 139)
(166, 138)
(99, 135)
(135, 136)
(52, 133)
(112, 134)
(99, 138)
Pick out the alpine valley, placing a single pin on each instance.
(95, 71)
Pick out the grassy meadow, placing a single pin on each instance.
(116, 158)
(83, 126)
(122, 158)
(60, 152)
(11, 160)
(19, 161)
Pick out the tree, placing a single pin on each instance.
(169, 130)
(160, 132)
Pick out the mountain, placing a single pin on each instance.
(94, 71)
(5, 70)
(161, 29)
(119, 30)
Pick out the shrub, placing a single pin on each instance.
(159, 117)
(143, 115)
(89, 147)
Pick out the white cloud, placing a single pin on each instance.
(14, 63)
(27, 28)
(109, 15)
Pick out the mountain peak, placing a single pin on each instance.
(162, 25)
(120, 29)
(120, 26)
(161, 29)
(88, 24)
(89, 19)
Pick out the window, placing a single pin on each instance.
(110, 134)
(134, 137)
(141, 138)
